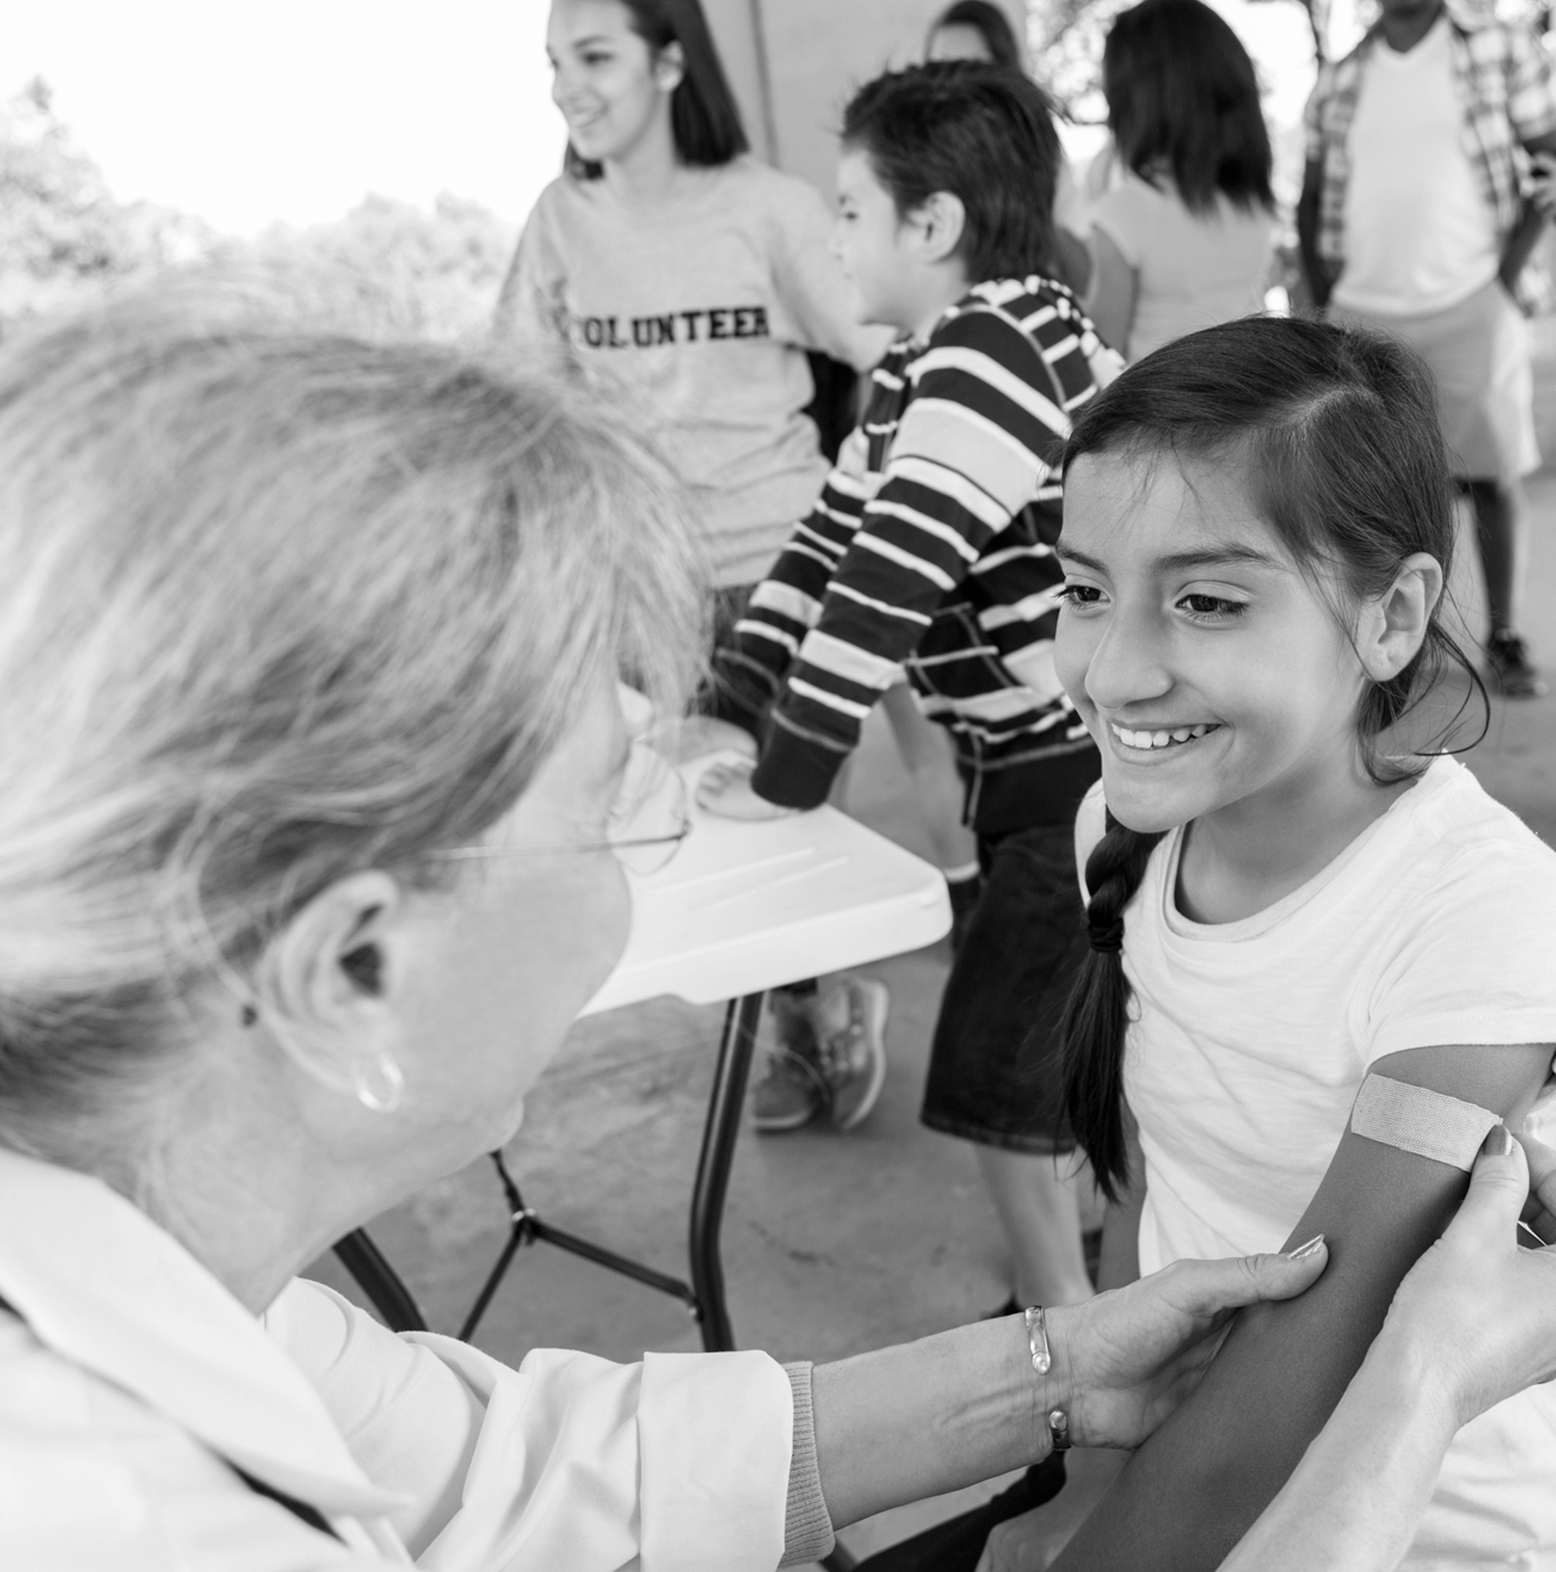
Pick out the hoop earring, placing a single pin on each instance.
(378, 1082)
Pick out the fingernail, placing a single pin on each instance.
(1498, 1142)
(1302, 1252)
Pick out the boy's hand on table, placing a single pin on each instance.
(695, 736)
(699, 735)
(725, 789)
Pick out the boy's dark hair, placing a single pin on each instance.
(704, 118)
(978, 131)
(1183, 97)
(1336, 432)
(990, 23)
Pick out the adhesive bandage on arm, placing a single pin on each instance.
(1414, 1119)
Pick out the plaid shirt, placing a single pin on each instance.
(1505, 82)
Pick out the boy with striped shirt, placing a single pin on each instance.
(930, 551)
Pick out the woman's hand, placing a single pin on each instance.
(1130, 1357)
(725, 789)
(1126, 1359)
(1477, 1313)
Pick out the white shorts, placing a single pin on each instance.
(1478, 352)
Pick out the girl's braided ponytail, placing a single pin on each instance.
(1091, 1031)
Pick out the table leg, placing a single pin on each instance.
(380, 1282)
(725, 1107)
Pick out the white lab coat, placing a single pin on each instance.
(130, 1380)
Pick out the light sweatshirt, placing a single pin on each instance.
(702, 307)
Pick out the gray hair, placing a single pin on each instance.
(279, 603)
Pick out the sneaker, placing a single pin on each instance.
(852, 1055)
(792, 1089)
(1508, 666)
(789, 1095)
(831, 1055)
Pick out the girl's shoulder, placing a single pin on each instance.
(1459, 834)
(567, 202)
(1136, 196)
(746, 179)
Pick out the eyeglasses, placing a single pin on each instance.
(647, 822)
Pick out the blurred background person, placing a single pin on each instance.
(975, 30)
(1183, 239)
(1412, 220)
(980, 30)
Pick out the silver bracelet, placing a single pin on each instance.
(1042, 1363)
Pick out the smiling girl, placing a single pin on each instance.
(668, 260)
(1285, 897)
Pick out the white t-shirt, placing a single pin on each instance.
(1192, 270)
(1437, 925)
(701, 308)
(1420, 235)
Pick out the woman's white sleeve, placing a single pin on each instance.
(677, 1464)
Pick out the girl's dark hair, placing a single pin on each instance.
(1336, 433)
(981, 132)
(991, 24)
(704, 118)
(1182, 95)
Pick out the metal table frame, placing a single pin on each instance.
(704, 1297)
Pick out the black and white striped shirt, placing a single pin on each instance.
(930, 550)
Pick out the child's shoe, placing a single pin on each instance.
(792, 1090)
(850, 1025)
(831, 1055)
(1508, 665)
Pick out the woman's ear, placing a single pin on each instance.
(669, 67)
(1394, 626)
(938, 224)
(325, 986)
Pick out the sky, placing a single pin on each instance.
(202, 106)
(244, 115)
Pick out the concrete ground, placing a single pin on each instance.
(832, 1244)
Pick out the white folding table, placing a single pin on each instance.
(740, 909)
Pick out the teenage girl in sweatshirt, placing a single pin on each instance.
(669, 263)
(1288, 891)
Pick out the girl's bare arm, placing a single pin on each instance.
(1196, 1487)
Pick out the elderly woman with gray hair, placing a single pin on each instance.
(308, 659)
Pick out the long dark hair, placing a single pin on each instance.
(1336, 432)
(990, 23)
(979, 131)
(1182, 93)
(704, 118)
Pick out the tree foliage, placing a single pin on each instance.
(441, 270)
(65, 238)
